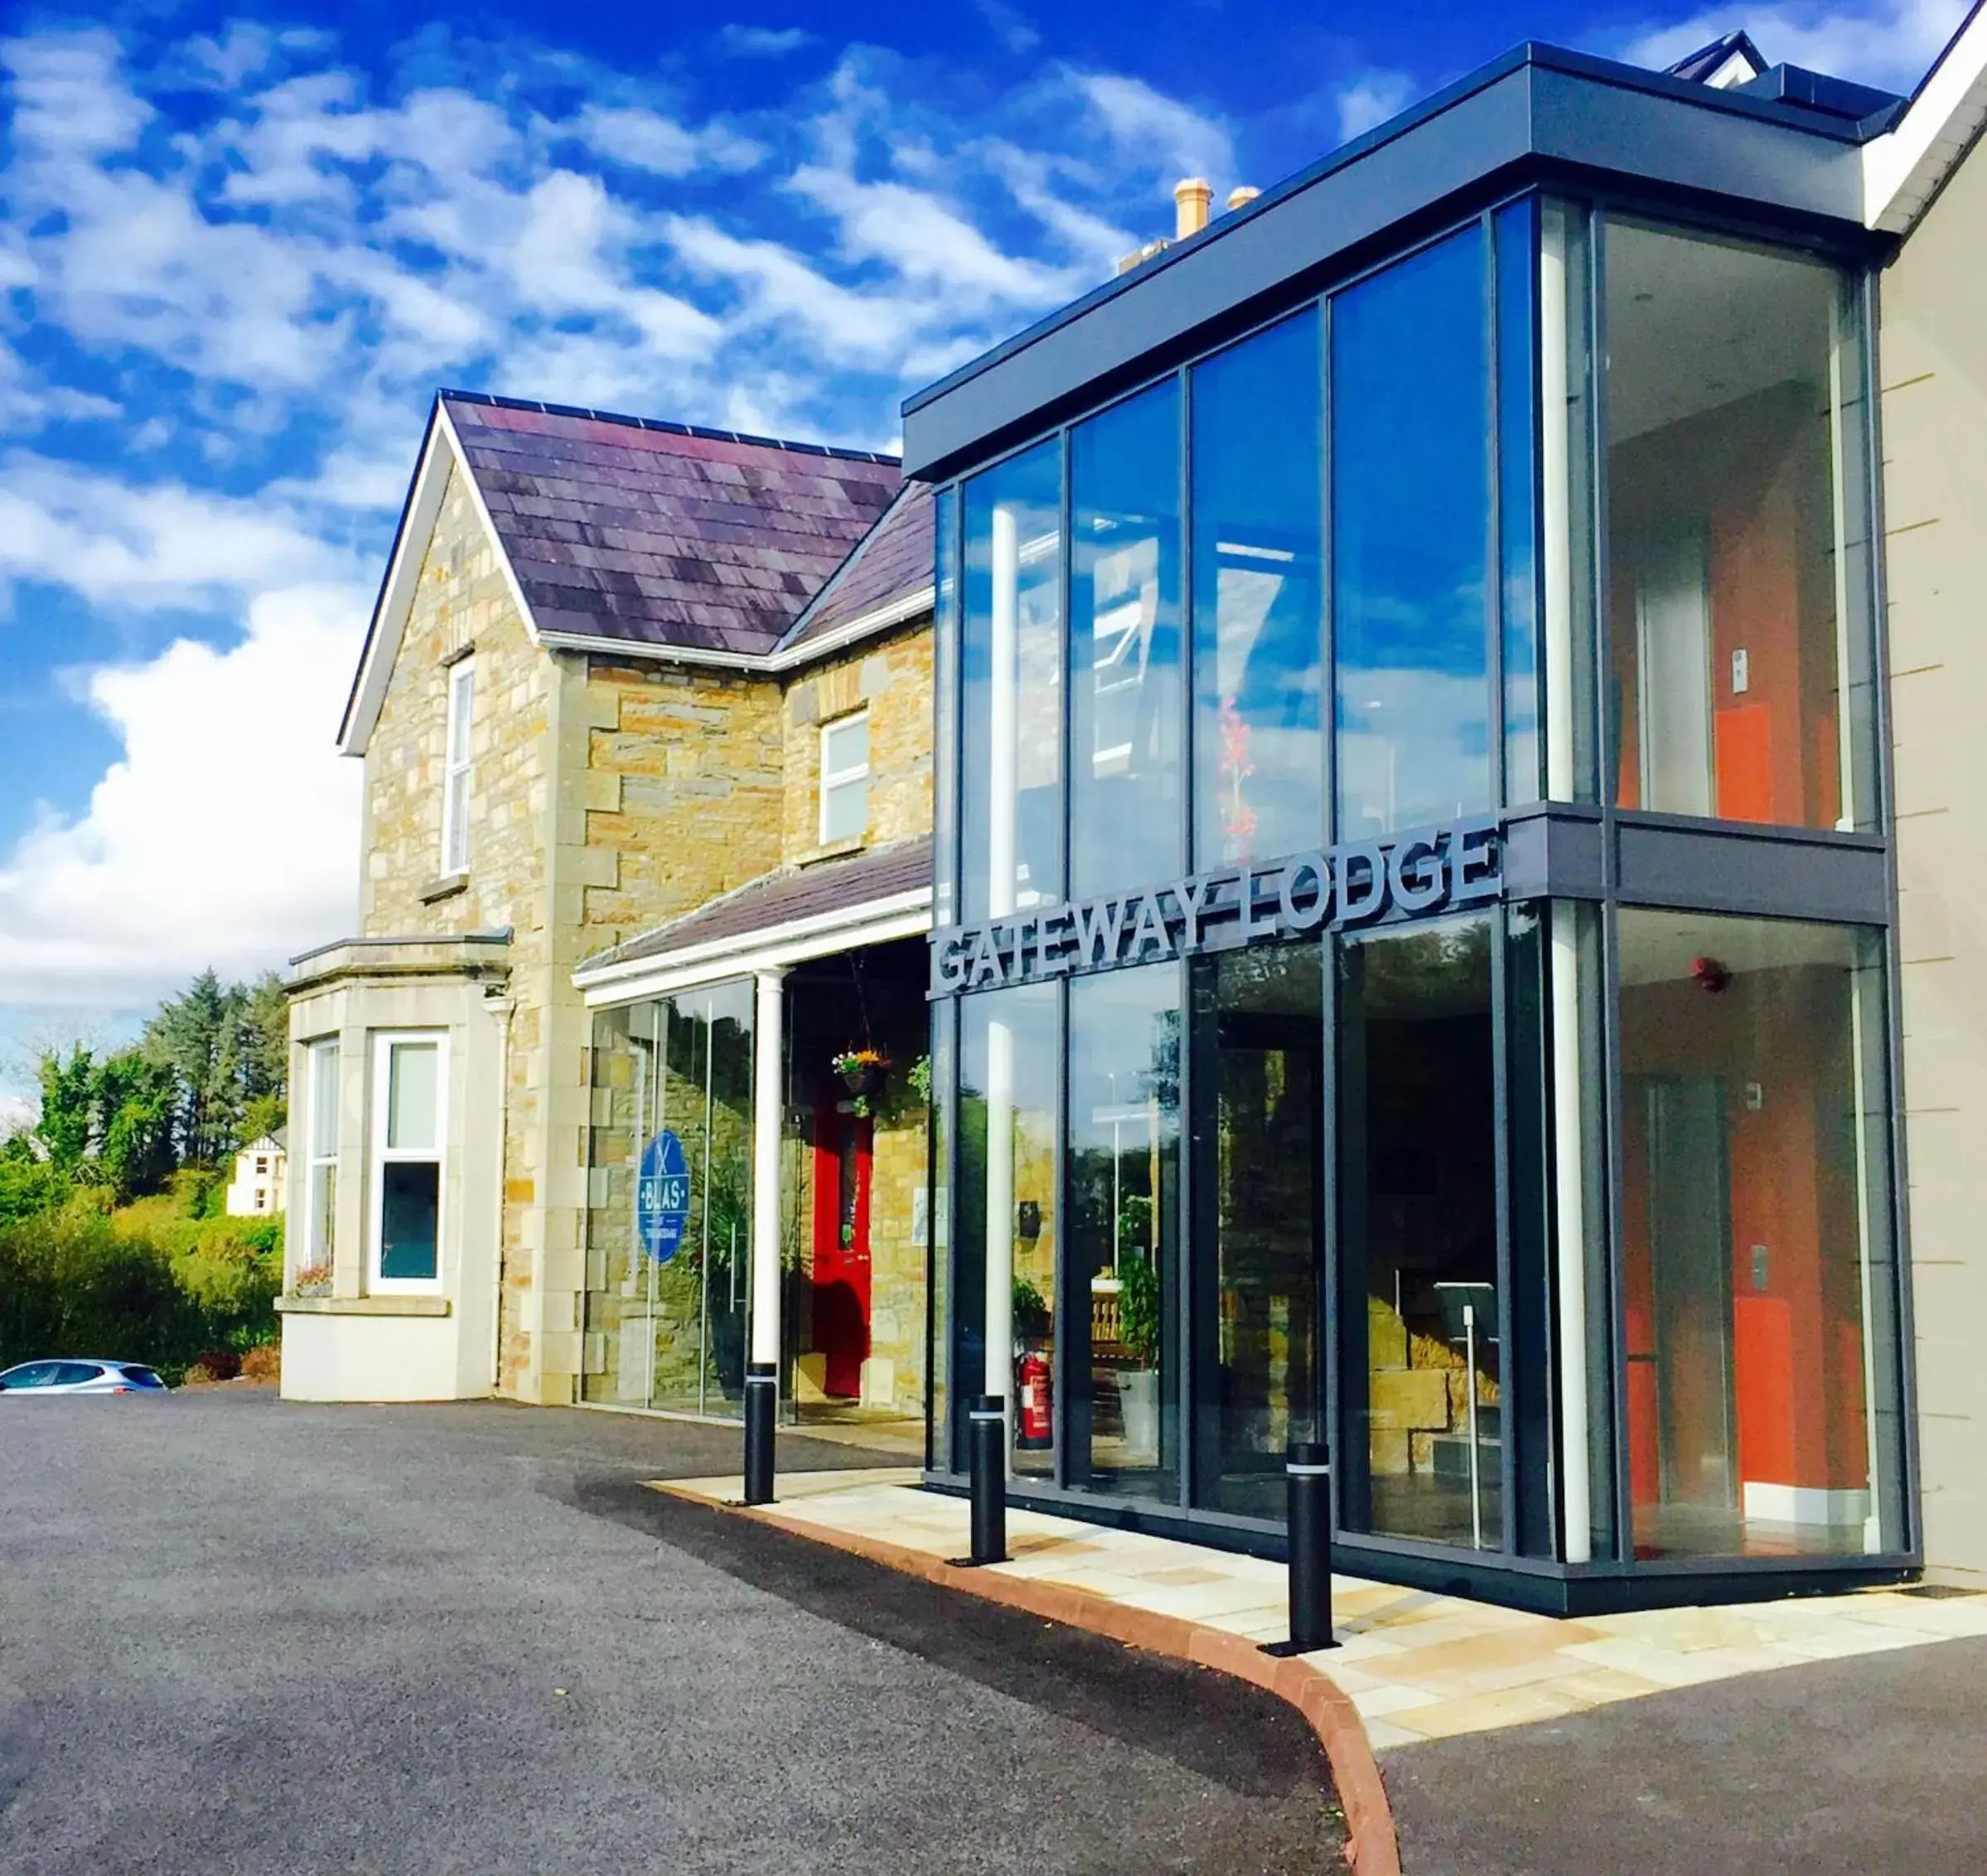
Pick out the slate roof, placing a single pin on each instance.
(891, 562)
(779, 898)
(665, 534)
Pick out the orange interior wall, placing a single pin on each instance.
(1753, 473)
(1797, 1345)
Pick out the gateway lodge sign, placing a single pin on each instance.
(1361, 883)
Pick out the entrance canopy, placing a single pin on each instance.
(784, 918)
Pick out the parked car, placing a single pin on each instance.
(80, 1377)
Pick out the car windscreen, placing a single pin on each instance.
(140, 1377)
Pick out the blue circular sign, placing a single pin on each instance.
(662, 1196)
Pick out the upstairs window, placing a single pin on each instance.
(455, 790)
(845, 777)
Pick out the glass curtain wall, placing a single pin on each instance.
(669, 1213)
(1125, 716)
(1410, 541)
(1737, 536)
(1258, 1246)
(1258, 629)
(1756, 1249)
(1573, 459)
(1122, 1313)
(1421, 1381)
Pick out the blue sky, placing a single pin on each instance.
(241, 246)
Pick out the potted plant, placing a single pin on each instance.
(314, 1279)
(860, 1069)
(1138, 1329)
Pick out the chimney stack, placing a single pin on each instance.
(1191, 201)
(1242, 195)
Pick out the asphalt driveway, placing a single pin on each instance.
(236, 1635)
(1877, 1763)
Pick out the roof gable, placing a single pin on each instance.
(886, 574)
(620, 532)
(661, 534)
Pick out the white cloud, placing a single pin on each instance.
(647, 140)
(226, 834)
(1371, 99)
(1890, 43)
(159, 546)
(1010, 25)
(67, 95)
(1154, 132)
(764, 41)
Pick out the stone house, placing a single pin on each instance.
(607, 662)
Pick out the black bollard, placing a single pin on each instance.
(761, 1409)
(986, 1414)
(1307, 1473)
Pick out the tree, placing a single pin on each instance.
(266, 1049)
(227, 1046)
(134, 1100)
(67, 1090)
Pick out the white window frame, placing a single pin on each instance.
(834, 778)
(319, 1168)
(382, 1156)
(458, 756)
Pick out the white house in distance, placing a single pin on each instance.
(256, 1190)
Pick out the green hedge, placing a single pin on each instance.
(73, 1282)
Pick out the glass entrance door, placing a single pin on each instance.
(1259, 1144)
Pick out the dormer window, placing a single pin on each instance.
(455, 791)
(845, 778)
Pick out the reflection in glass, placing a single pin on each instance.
(1758, 1272)
(1515, 235)
(1737, 532)
(1123, 1181)
(1410, 525)
(1006, 1285)
(944, 694)
(412, 1091)
(938, 1274)
(670, 1306)
(1422, 1381)
(1124, 645)
(1566, 502)
(1258, 758)
(1012, 669)
(410, 1207)
(1259, 1078)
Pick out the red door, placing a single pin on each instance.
(843, 1144)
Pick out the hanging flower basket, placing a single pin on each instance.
(860, 1069)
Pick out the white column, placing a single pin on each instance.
(768, 1106)
(1570, 1192)
(1003, 724)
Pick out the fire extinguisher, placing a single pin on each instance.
(1034, 1432)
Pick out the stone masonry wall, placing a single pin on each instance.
(893, 678)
